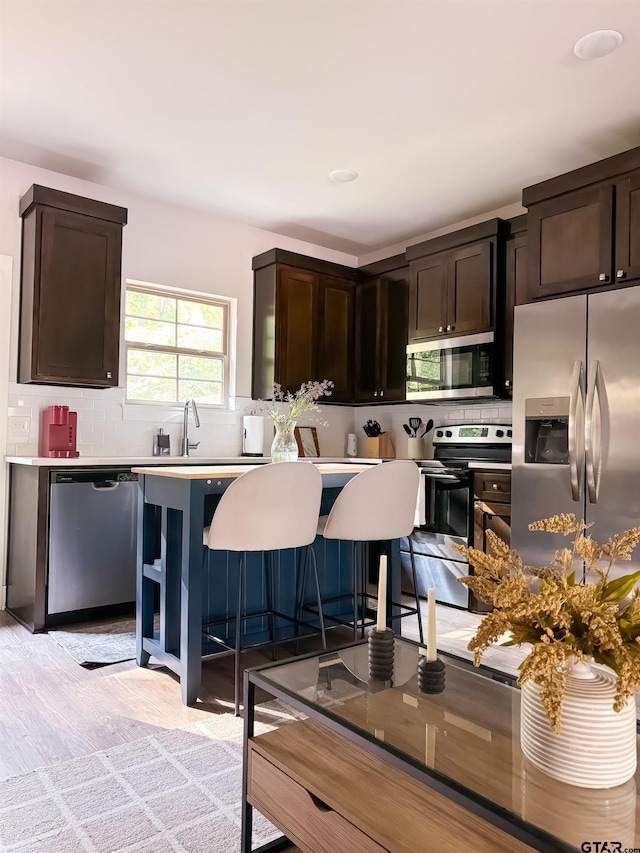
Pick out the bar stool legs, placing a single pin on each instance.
(238, 668)
(310, 556)
(415, 587)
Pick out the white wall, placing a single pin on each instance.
(507, 212)
(162, 244)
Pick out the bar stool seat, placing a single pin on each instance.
(267, 509)
(376, 505)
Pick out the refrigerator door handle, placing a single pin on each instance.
(576, 453)
(593, 431)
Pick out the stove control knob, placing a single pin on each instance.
(509, 433)
(448, 433)
(439, 433)
(499, 433)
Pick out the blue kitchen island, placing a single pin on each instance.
(186, 595)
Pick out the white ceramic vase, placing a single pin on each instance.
(596, 747)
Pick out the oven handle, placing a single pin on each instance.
(449, 477)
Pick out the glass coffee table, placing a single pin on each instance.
(371, 766)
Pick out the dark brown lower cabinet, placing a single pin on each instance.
(491, 511)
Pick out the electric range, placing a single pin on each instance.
(445, 507)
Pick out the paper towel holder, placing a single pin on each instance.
(252, 435)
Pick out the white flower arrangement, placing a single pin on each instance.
(287, 408)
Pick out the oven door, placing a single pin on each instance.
(446, 512)
(454, 368)
(444, 521)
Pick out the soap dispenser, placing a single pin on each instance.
(161, 446)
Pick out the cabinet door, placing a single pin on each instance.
(76, 333)
(627, 265)
(335, 337)
(367, 366)
(470, 280)
(394, 340)
(296, 328)
(571, 242)
(516, 269)
(428, 297)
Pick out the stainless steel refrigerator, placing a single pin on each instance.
(576, 419)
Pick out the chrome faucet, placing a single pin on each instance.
(186, 444)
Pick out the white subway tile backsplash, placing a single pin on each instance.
(109, 426)
(91, 415)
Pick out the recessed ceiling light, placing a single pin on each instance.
(343, 176)
(597, 44)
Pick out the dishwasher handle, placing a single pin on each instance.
(104, 485)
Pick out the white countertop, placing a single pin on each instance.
(490, 466)
(89, 461)
(203, 472)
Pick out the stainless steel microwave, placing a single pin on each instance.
(452, 369)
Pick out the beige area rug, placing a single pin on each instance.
(98, 643)
(178, 791)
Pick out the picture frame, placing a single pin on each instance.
(307, 441)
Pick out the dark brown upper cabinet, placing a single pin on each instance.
(70, 289)
(584, 228)
(627, 248)
(335, 335)
(381, 332)
(303, 324)
(516, 271)
(454, 282)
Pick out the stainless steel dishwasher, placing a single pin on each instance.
(92, 539)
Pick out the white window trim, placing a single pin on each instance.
(230, 303)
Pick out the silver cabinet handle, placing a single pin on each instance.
(382, 393)
(603, 276)
(375, 393)
(109, 374)
(507, 383)
(449, 328)
(441, 328)
(576, 454)
(621, 274)
(593, 431)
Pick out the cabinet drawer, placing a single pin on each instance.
(304, 819)
(493, 487)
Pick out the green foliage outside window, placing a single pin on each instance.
(176, 348)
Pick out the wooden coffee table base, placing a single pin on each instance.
(327, 795)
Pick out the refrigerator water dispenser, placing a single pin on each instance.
(547, 431)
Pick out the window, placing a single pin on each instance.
(177, 346)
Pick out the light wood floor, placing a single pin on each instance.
(52, 709)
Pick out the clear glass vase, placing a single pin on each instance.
(284, 447)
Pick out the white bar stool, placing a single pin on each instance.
(270, 508)
(377, 505)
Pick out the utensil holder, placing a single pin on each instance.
(381, 650)
(416, 448)
(380, 447)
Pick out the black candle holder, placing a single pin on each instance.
(431, 675)
(381, 647)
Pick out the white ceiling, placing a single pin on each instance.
(446, 108)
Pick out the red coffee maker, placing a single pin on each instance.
(58, 432)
